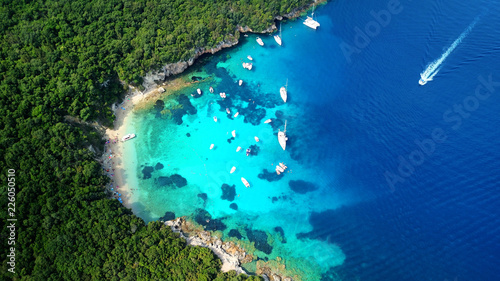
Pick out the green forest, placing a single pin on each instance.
(75, 58)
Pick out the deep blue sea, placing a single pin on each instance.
(386, 179)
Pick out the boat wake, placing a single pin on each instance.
(434, 67)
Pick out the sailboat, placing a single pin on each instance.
(277, 37)
(310, 22)
(283, 91)
(282, 138)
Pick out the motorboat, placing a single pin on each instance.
(248, 151)
(249, 57)
(211, 146)
(128, 137)
(211, 89)
(233, 133)
(232, 170)
(215, 118)
(256, 139)
(228, 111)
(238, 148)
(222, 95)
(236, 114)
(198, 91)
(247, 65)
(240, 82)
(245, 182)
(268, 121)
(259, 41)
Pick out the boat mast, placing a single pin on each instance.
(285, 127)
(286, 85)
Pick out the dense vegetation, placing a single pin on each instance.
(66, 58)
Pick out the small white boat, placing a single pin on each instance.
(128, 137)
(211, 89)
(246, 35)
(222, 95)
(283, 91)
(283, 165)
(247, 65)
(236, 114)
(259, 41)
(268, 121)
(215, 118)
(249, 57)
(282, 138)
(238, 149)
(240, 82)
(228, 111)
(278, 168)
(278, 172)
(199, 91)
(233, 169)
(256, 139)
(233, 133)
(248, 151)
(211, 146)
(245, 182)
(277, 37)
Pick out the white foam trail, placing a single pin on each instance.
(434, 67)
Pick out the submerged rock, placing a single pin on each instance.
(146, 172)
(281, 234)
(174, 179)
(203, 196)
(164, 181)
(233, 206)
(159, 166)
(253, 115)
(228, 192)
(235, 233)
(204, 218)
(188, 135)
(254, 150)
(186, 108)
(270, 176)
(159, 105)
(259, 237)
(168, 216)
(302, 187)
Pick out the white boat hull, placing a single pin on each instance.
(283, 94)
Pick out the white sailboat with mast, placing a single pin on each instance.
(283, 91)
(310, 22)
(277, 37)
(282, 137)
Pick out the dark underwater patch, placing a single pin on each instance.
(235, 233)
(146, 172)
(204, 218)
(159, 166)
(228, 192)
(259, 237)
(270, 176)
(302, 187)
(174, 179)
(186, 109)
(168, 216)
(233, 206)
(281, 234)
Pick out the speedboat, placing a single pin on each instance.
(422, 82)
(199, 91)
(215, 118)
(233, 133)
(260, 41)
(233, 169)
(245, 182)
(238, 149)
(128, 137)
(240, 82)
(247, 65)
(249, 57)
(211, 146)
(228, 111)
(268, 121)
(248, 151)
(236, 114)
(256, 139)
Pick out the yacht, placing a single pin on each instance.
(310, 22)
(236, 114)
(245, 182)
(128, 137)
(247, 65)
(260, 41)
(282, 138)
(248, 151)
(268, 121)
(283, 91)
(277, 37)
(240, 82)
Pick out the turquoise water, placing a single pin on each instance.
(348, 123)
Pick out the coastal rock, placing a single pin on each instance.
(168, 216)
(275, 277)
(287, 279)
(264, 276)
